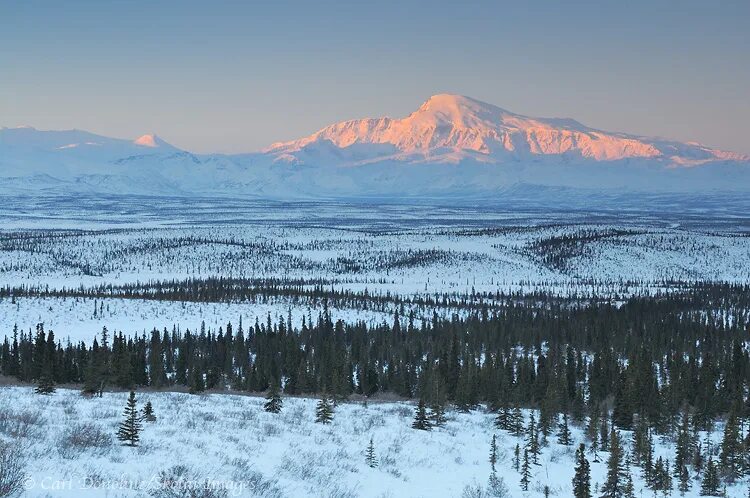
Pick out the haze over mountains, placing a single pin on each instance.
(451, 147)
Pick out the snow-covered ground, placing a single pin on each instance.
(74, 318)
(231, 441)
(408, 260)
(400, 250)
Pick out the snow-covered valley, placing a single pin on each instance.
(175, 269)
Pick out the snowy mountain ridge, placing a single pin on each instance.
(451, 147)
(449, 125)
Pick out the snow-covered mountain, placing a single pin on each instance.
(451, 128)
(451, 147)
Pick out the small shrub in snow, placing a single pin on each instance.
(401, 411)
(365, 423)
(298, 469)
(94, 479)
(396, 445)
(295, 416)
(271, 430)
(69, 408)
(101, 412)
(84, 436)
(20, 424)
(207, 416)
(12, 470)
(254, 481)
(561, 455)
(340, 492)
(473, 491)
(260, 486)
(394, 472)
(182, 482)
(495, 488)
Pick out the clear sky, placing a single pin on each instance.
(235, 76)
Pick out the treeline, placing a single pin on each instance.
(729, 301)
(648, 358)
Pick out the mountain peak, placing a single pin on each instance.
(459, 111)
(150, 140)
(451, 128)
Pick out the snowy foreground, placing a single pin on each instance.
(70, 448)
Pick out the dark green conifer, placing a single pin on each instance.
(273, 402)
(493, 452)
(421, 420)
(148, 412)
(324, 410)
(525, 471)
(615, 481)
(130, 428)
(563, 431)
(582, 476)
(710, 484)
(370, 459)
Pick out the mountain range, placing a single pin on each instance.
(451, 147)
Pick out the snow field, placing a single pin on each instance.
(229, 440)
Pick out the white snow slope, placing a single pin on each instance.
(230, 441)
(452, 146)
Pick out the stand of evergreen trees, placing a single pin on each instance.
(670, 364)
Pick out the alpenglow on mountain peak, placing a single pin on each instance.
(453, 127)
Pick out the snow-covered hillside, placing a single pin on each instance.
(70, 448)
(452, 147)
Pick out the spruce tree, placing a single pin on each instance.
(516, 421)
(324, 411)
(45, 381)
(370, 459)
(503, 418)
(130, 428)
(273, 402)
(421, 421)
(197, 384)
(661, 479)
(683, 447)
(582, 477)
(604, 432)
(532, 442)
(640, 440)
(45, 385)
(517, 457)
(91, 380)
(648, 461)
(628, 490)
(437, 414)
(684, 477)
(525, 471)
(614, 484)
(493, 452)
(710, 483)
(148, 412)
(563, 431)
(731, 456)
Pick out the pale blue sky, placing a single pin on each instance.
(236, 76)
